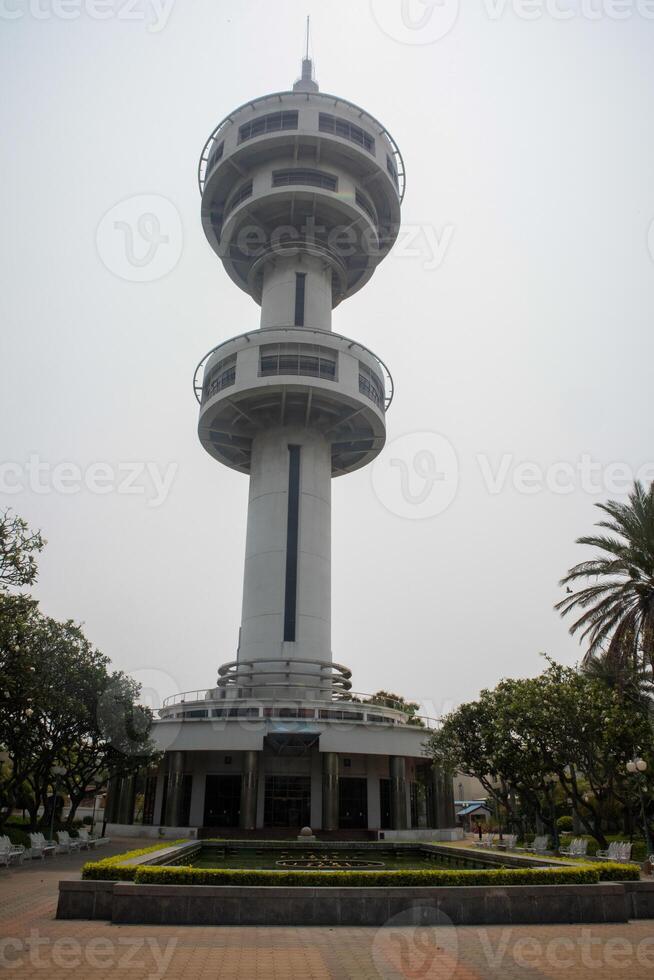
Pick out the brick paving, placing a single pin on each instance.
(33, 944)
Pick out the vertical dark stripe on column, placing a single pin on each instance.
(300, 288)
(292, 534)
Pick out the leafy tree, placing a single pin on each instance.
(386, 699)
(18, 548)
(63, 707)
(60, 705)
(562, 735)
(617, 609)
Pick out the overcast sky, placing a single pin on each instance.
(515, 315)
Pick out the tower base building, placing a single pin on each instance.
(301, 195)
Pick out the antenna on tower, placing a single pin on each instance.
(306, 82)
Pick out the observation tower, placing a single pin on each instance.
(301, 195)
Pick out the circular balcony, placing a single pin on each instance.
(293, 376)
(353, 709)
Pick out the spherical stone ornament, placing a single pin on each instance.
(306, 832)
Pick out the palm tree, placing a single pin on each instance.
(618, 607)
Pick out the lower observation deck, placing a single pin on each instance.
(293, 376)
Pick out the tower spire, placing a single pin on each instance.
(306, 82)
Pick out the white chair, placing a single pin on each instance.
(486, 841)
(539, 846)
(578, 848)
(41, 847)
(16, 851)
(87, 838)
(618, 850)
(67, 844)
(509, 842)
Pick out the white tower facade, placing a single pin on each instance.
(301, 196)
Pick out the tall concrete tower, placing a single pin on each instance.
(301, 196)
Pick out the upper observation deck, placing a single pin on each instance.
(299, 167)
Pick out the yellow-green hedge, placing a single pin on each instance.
(114, 868)
(370, 879)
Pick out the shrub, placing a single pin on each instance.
(611, 871)
(565, 824)
(115, 869)
(371, 879)
(87, 821)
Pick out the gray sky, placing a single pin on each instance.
(515, 316)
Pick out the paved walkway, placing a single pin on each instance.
(33, 944)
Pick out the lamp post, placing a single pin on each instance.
(637, 768)
(57, 772)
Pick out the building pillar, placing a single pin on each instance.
(397, 772)
(112, 800)
(174, 796)
(443, 811)
(249, 785)
(127, 797)
(330, 791)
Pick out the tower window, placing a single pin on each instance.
(366, 204)
(346, 130)
(310, 360)
(300, 289)
(371, 385)
(216, 155)
(272, 123)
(222, 376)
(244, 191)
(392, 169)
(306, 176)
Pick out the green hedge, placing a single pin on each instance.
(371, 879)
(114, 868)
(612, 871)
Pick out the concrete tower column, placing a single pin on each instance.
(287, 581)
(397, 772)
(330, 791)
(297, 291)
(174, 796)
(249, 784)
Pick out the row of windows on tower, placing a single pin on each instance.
(275, 122)
(315, 178)
(307, 360)
(301, 177)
